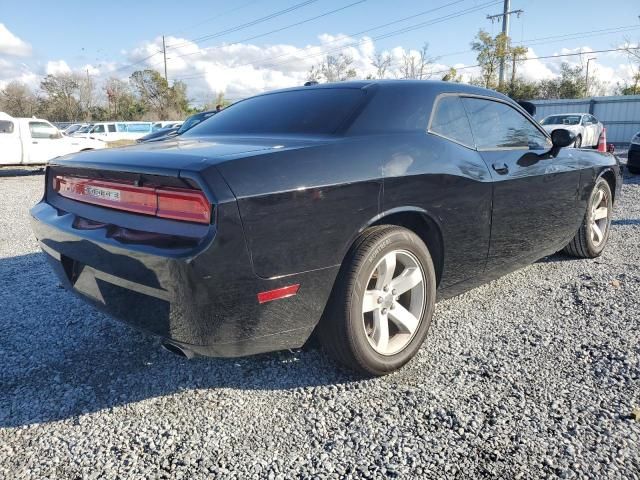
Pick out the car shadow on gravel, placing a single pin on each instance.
(20, 171)
(61, 358)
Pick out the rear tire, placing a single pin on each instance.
(382, 303)
(592, 236)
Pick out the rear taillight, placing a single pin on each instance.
(166, 202)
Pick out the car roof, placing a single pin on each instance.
(436, 86)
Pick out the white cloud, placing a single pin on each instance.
(57, 67)
(10, 44)
(244, 69)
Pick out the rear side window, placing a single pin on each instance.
(111, 127)
(496, 126)
(6, 126)
(98, 129)
(43, 130)
(450, 121)
(310, 111)
(395, 110)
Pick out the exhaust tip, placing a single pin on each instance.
(177, 350)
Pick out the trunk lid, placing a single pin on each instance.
(172, 156)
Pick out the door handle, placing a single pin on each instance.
(34, 142)
(501, 168)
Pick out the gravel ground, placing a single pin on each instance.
(534, 375)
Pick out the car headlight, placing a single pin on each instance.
(636, 140)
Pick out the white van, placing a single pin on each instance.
(35, 141)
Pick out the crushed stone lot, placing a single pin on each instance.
(534, 375)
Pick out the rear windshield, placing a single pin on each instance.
(315, 111)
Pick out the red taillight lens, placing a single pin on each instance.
(167, 202)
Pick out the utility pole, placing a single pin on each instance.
(504, 16)
(586, 80)
(164, 52)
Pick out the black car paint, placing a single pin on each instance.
(162, 134)
(287, 210)
(633, 156)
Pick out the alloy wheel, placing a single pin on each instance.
(599, 217)
(394, 301)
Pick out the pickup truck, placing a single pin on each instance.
(28, 141)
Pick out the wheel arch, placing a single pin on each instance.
(609, 175)
(420, 222)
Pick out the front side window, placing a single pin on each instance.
(496, 126)
(450, 121)
(98, 129)
(111, 127)
(6, 126)
(43, 130)
(310, 111)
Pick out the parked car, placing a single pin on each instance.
(584, 126)
(633, 156)
(71, 129)
(36, 141)
(188, 124)
(161, 134)
(84, 129)
(165, 124)
(342, 208)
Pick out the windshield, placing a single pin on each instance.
(562, 120)
(311, 111)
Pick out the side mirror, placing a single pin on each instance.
(561, 138)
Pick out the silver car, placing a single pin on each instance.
(585, 126)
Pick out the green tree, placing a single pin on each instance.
(570, 84)
(333, 68)
(452, 76)
(157, 97)
(60, 102)
(490, 52)
(17, 100)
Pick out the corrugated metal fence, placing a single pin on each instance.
(620, 115)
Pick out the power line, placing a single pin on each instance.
(556, 38)
(543, 57)
(245, 25)
(124, 67)
(379, 37)
(286, 27)
(217, 16)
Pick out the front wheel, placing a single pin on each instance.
(382, 303)
(592, 236)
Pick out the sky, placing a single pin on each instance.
(245, 47)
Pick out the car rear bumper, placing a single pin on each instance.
(203, 298)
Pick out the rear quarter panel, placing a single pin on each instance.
(300, 208)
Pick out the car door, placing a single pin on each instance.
(534, 194)
(10, 146)
(45, 142)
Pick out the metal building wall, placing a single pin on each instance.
(620, 115)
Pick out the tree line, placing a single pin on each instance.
(146, 95)
(71, 97)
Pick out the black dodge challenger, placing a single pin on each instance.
(342, 208)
